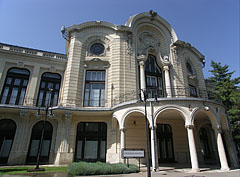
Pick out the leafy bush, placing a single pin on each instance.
(99, 168)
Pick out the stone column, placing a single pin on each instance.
(142, 59)
(122, 139)
(167, 81)
(2, 65)
(221, 150)
(192, 148)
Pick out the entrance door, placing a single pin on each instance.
(91, 142)
(35, 142)
(165, 143)
(7, 133)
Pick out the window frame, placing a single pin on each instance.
(102, 90)
(54, 82)
(11, 86)
(158, 74)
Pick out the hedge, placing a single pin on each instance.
(99, 168)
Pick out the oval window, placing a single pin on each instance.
(97, 49)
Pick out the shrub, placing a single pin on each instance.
(99, 168)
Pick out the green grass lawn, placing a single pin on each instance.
(20, 170)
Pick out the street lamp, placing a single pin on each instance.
(46, 108)
(144, 93)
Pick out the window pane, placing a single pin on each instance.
(99, 75)
(50, 85)
(94, 76)
(19, 71)
(86, 96)
(47, 98)
(94, 97)
(22, 95)
(91, 126)
(25, 83)
(88, 77)
(43, 85)
(13, 96)
(45, 148)
(79, 150)
(57, 86)
(103, 75)
(55, 99)
(5, 94)
(34, 148)
(40, 98)
(9, 80)
(52, 75)
(103, 150)
(6, 147)
(17, 81)
(102, 94)
(91, 148)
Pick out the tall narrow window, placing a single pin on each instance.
(153, 75)
(165, 143)
(35, 142)
(15, 86)
(7, 133)
(91, 142)
(49, 90)
(94, 95)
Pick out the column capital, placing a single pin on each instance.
(218, 129)
(165, 68)
(189, 126)
(141, 58)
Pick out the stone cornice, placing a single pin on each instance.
(32, 52)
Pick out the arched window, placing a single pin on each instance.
(189, 68)
(15, 86)
(153, 74)
(7, 133)
(49, 81)
(91, 142)
(165, 143)
(35, 142)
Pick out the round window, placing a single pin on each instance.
(97, 49)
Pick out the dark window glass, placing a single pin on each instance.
(94, 94)
(189, 68)
(49, 90)
(91, 142)
(153, 75)
(193, 91)
(7, 133)
(97, 49)
(15, 86)
(35, 142)
(165, 143)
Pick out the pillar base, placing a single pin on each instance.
(225, 169)
(194, 170)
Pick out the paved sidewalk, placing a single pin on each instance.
(162, 173)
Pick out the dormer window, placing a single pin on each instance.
(97, 49)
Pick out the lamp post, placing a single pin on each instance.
(47, 108)
(147, 136)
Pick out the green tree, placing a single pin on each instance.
(227, 90)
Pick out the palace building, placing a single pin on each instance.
(93, 100)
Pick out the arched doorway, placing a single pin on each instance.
(7, 133)
(91, 142)
(35, 142)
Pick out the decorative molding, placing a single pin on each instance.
(68, 114)
(96, 63)
(123, 129)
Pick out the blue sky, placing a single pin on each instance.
(211, 26)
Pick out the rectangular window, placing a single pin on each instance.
(193, 91)
(94, 94)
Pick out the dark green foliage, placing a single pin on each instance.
(99, 168)
(226, 89)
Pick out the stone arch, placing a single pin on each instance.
(207, 111)
(181, 111)
(126, 114)
(224, 122)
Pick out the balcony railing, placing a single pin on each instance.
(178, 92)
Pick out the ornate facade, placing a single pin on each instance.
(91, 99)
